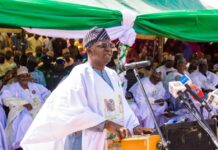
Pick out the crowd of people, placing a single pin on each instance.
(32, 66)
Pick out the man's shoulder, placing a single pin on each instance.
(211, 73)
(80, 69)
(161, 67)
(11, 86)
(193, 74)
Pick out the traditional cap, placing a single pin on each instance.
(170, 57)
(46, 58)
(22, 70)
(95, 35)
(60, 60)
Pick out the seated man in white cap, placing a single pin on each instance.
(89, 104)
(157, 97)
(24, 99)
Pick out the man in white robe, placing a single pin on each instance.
(157, 97)
(91, 97)
(206, 80)
(24, 100)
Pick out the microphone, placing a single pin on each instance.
(196, 93)
(213, 98)
(139, 64)
(176, 88)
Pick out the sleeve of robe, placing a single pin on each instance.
(6, 92)
(64, 112)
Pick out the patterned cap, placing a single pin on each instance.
(95, 35)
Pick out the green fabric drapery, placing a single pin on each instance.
(199, 25)
(55, 15)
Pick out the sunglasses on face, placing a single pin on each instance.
(106, 45)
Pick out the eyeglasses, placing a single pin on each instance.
(106, 45)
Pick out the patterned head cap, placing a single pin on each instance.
(95, 35)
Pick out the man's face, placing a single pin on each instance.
(203, 68)
(66, 55)
(101, 52)
(23, 78)
(181, 67)
(169, 63)
(36, 37)
(155, 77)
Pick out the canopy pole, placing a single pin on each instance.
(160, 48)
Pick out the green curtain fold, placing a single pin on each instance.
(55, 15)
(196, 25)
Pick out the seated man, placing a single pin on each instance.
(24, 100)
(181, 69)
(156, 95)
(206, 80)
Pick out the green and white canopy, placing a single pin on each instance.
(193, 20)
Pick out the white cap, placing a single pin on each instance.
(22, 70)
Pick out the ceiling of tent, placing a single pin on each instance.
(193, 20)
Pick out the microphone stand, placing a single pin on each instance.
(192, 108)
(164, 143)
(203, 103)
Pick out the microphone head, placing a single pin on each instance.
(197, 91)
(139, 64)
(213, 98)
(175, 88)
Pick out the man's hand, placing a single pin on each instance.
(159, 102)
(28, 106)
(141, 130)
(169, 114)
(119, 130)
